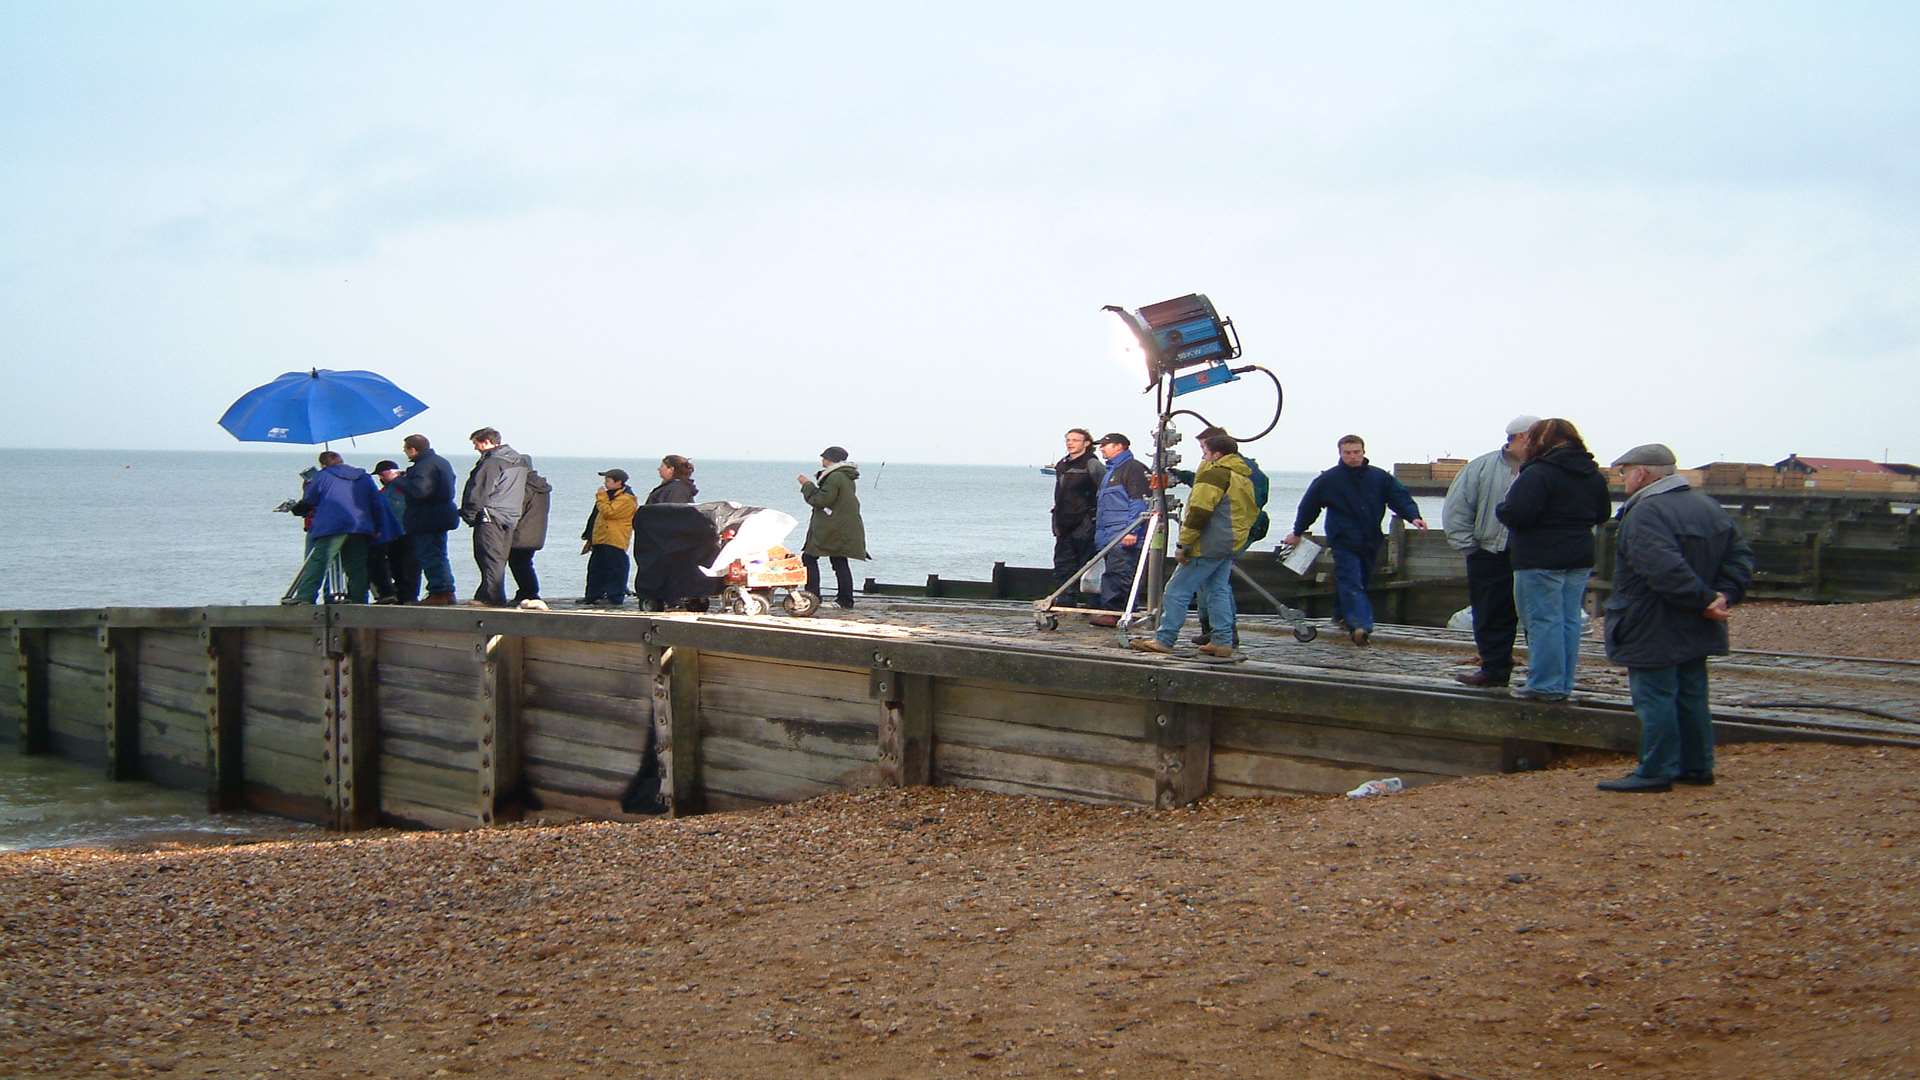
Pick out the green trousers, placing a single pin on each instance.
(352, 553)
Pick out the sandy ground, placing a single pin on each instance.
(1492, 927)
(1890, 628)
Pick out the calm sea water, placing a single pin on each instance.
(175, 529)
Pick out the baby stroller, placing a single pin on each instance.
(753, 567)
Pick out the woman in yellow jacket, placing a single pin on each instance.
(609, 530)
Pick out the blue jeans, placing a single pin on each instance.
(1676, 727)
(1208, 579)
(1549, 603)
(1352, 572)
(430, 551)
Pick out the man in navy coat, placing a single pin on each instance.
(1355, 495)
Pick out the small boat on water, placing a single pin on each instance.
(1046, 470)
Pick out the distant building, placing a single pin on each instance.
(1794, 463)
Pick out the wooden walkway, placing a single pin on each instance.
(354, 716)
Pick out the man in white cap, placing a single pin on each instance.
(1474, 531)
(1679, 566)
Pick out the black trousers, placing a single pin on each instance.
(526, 583)
(491, 542)
(392, 572)
(842, 577)
(607, 573)
(1072, 550)
(1490, 591)
(1116, 581)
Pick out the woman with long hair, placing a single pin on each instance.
(1550, 513)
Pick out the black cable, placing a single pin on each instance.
(1279, 404)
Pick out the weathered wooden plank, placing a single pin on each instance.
(1045, 741)
(592, 654)
(432, 753)
(465, 642)
(170, 697)
(283, 672)
(1238, 772)
(1064, 778)
(303, 775)
(753, 701)
(629, 734)
(1118, 717)
(847, 684)
(119, 648)
(78, 650)
(612, 682)
(763, 787)
(306, 643)
(357, 727)
(177, 650)
(395, 701)
(500, 760)
(402, 811)
(177, 732)
(299, 738)
(1009, 787)
(429, 658)
(717, 751)
(89, 749)
(174, 773)
(598, 807)
(192, 680)
(676, 725)
(464, 683)
(720, 802)
(853, 742)
(579, 756)
(225, 782)
(544, 778)
(583, 703)
(1239, 729)
(292, 708)
(462, 732)
(1183, 738)
(13, 692)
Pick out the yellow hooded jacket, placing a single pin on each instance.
(1220, 514)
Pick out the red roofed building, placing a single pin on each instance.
(1796, 464)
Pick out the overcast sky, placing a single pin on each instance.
(747, 231)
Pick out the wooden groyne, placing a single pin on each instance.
(354, 716)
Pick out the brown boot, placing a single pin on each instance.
(1224, 652)
(438, 599)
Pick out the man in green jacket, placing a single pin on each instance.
(1218, 518)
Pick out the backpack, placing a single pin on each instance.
(1261, 523)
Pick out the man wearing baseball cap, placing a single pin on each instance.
(1680, 564)
(1474, 531)
(1122, 499)
(604, 541)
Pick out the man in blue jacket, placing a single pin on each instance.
(1355, 495)
(1679, 567)
(1122, 499)
(431, 515)
(349, 514)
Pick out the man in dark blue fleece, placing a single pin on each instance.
(1355, 495)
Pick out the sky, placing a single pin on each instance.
(753, 230)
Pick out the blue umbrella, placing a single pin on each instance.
(319, 405)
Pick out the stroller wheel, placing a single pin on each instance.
(800, 603)
(753, 603)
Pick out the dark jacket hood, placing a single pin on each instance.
(1569, 460)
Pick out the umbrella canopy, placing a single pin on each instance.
(319, 405)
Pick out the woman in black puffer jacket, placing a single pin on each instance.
(1550, 513)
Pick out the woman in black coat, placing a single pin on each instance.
(1550, 513)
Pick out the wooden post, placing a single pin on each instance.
(676, 727)
(906, 727)
(223, 717)
(122, 669)
(357, 775)
(502, 679)
(30, 669)
(1183, 767)
(1814, 577)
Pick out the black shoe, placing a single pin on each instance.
(843, 605)
(1202, 639)
(1635, 783)
(1481, 680)
(1697, 779)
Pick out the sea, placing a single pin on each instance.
(153, 528)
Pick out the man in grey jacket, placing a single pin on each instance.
(491, 506)
(1679, 567)
(1474, 531)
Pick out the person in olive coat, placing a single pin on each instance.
(835, 532)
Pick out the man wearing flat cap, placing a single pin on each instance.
(1679, 566)
(1474, 531)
